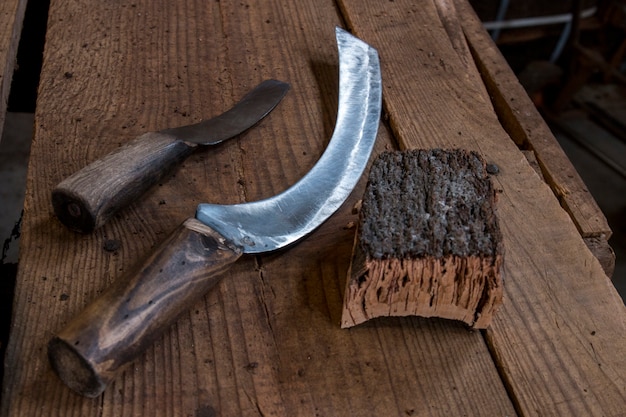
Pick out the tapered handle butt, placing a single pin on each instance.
(73, 369)
(88, 198)
(119, 325)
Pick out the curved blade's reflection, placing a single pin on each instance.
(278, 221)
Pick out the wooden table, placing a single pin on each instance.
(267, 340)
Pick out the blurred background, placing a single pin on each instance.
(570, 56)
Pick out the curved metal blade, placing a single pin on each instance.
(255, 105)
(281, 220)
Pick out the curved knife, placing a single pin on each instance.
(88, 198)
(128, 317)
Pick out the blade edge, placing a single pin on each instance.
(246, 113)
(278, 221)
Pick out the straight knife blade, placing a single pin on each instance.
(252, 108)
(88, 198)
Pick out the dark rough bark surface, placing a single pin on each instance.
(429, 202)
(428, 242)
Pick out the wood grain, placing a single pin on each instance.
(562, 324)
(524, 124)
(88, 198)
(11, 19)
(267, 340)
(104, 338)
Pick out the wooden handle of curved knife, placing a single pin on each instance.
(125, 320)
(88, 198)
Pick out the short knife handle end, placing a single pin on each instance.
(88, 198)
(126, 319)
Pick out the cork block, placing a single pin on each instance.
(428, 241)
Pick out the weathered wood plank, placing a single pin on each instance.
(393, 366)
(560, 338)
(267, 341)
(524, 124)
(11, 19)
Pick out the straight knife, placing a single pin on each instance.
(128, 317)
(88, 198)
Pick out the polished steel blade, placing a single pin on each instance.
(281, 220)
(257, 104)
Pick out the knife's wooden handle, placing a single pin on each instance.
(88, 198)
(128, 317)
